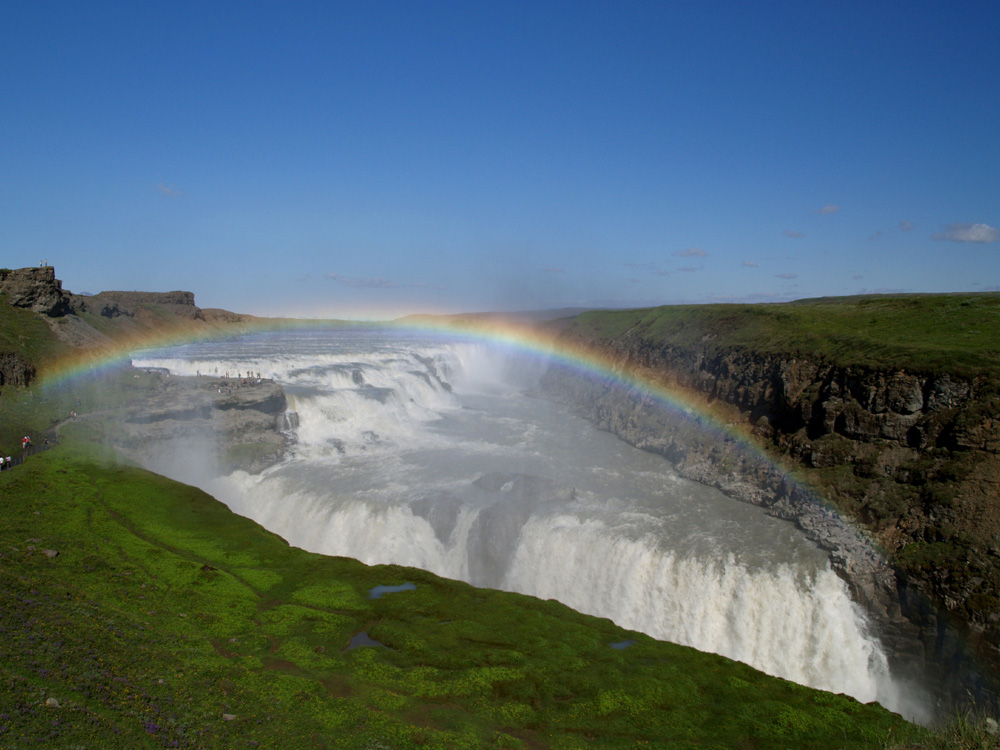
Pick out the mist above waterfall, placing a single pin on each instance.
(429, 453)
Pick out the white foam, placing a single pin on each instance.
(363, 411)
(802, 628)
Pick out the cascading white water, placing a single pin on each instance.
(802, 626)
(427, 453)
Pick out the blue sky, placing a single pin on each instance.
(375, 158)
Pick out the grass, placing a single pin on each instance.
(971, 729)
(957, 334)
(164, 613)
(167, 621)
(26, 334)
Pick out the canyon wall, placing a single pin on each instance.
(104, 321)
(898, 475)
(14, 370)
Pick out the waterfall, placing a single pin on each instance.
(428, 454)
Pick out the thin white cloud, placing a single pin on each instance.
(169, 190)
(741, 299)
(691, 252)
(758, 297)
(903, 226)
(362, 283)
(969, 233)
(829, 209)
(376, 282)
(651, 268)
(787, 276)
(792, 233)
(688, 269)
(749, 264)
(883, 290)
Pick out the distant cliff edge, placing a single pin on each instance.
(43, 322)
(889, 406)
(101, 320)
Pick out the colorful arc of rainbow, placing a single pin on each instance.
(521, 339)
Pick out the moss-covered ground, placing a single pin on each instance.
(167, 621)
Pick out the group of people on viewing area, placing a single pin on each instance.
(250, 374)
(7, 462)
(251, 378)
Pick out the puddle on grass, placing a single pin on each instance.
(363, 640)
(621, 645)
(376, 593)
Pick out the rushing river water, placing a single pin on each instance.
(430, 453)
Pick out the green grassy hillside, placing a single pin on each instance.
(167, 621)
(935, 333)
(164, 620)
(25, 333)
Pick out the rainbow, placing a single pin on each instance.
(533, 341)
(112, 354)
(595, 364)
(108, 356)
(719, 423)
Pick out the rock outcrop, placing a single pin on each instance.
(110, 319)
(130, 304)
(36, 289)
(14, 370)
(204, 425)
(913, 457)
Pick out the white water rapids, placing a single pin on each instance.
(430, 453)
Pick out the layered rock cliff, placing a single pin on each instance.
(910, 457)
(130, 304)
(36, 289)
(14, 370)
(107, 320)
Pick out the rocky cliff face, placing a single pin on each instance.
(115, 304)
(36, 289)
(14, 370)
(108, 319)
(915, 458)
(127, 316)
(191, 426)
